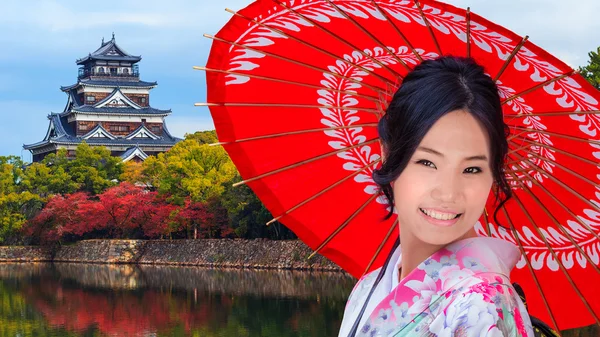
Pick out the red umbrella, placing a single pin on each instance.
(296, 88)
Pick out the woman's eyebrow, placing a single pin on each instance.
(439, 154)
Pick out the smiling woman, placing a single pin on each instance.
(444, 144)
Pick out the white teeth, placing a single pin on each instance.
(439, 216)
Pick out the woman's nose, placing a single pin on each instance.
(447, 189)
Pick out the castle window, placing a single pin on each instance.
(142, 99)
(83, 127)
(125, 71)
(119, 128)
(90, 98)
(155, 129)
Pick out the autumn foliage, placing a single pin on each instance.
(122, 211)
(186, 192)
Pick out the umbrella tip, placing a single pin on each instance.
(229, 10)
(198, 68)
(273, 220)
(208, 36)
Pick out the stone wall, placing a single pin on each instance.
(24, 254)
(222, 253)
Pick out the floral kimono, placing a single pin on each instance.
(462, 290)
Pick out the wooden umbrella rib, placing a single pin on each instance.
(560, 264)
(387, 236)
(369, 34)
(285, 105)
(468, 19)
(323, 191)
(531, 270)
(310, 45)
(305, 162)
(517, 150)
(304, 17)
(272, 79)
(302, 64)
(536, 87)
(510, 58)
(343, 225)
(435, 41)
(291, 133)
(585, 160)
(560, 135)
(388, 19)
(553, 114)
(556, 180)
(516, 135)
(553, 162)
(556, 222)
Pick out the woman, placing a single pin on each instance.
(444, 143)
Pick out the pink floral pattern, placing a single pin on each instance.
(461, 290)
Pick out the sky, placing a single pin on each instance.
(41, 39)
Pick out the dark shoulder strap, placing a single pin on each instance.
(355, 326)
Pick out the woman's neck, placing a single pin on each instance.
(415, 251)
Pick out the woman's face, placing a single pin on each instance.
(442, 192)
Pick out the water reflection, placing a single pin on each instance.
(84, 299)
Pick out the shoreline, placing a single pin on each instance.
(258, 254)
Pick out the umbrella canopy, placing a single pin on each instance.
(296, 88)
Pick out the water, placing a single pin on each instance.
(63, 299)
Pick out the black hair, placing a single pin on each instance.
(431, 90)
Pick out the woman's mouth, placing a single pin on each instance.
(440, 218)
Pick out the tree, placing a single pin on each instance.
(190, 169)
(203, 137)
(94, 168)
(61, 217)
(117, 210)
(248, 216)
(207, 219)
(45, 180)
(132, 172)
(16, 206)
(591, 71)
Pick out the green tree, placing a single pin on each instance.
(591, 71)
(203, 137)
(248, 216)
(93, 168)
(45, 180)
(16, 206)
(190, 169)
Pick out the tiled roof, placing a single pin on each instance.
(110, 51)
(64, 134)
(108, 83)
(116, 110)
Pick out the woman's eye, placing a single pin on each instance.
(473, 170)
(426, 163)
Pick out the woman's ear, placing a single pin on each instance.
(383, 151)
